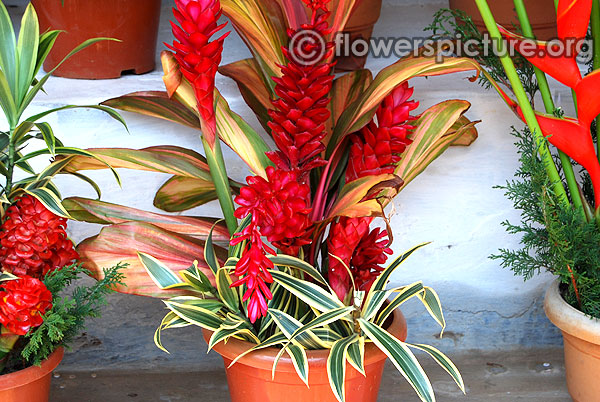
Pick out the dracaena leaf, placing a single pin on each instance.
(121, 243)
(104, 213)
(183, 193)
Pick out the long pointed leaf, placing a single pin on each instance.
(336, 366)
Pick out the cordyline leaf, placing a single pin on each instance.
(104, 213)
(254, 90)
(263, 27)
(121, 244)
(468, 132)
(174, 160)
(295, 12)
(356, 198)
(240, 137)
(431, 137)
(359, 113)
(155, 104)
(341, 15)
(345, 90)
(563, 68)
(183, 193)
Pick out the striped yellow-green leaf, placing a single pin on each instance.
(356, 355)
(181, 193)
(8, 45)
(210, 255)
(273, 340)
(299, 360)
(26, 52)
(309, 293)
(383, 279)
(375, 302)
(171, 320)
(289, 325)
(403, 295)
(195, 315)
(293, 262)
(50, 201)
(443, 361)
(5, 276)
(224, 334)
(162, 276)
(228, 295)
(432, 303)
(323, 320)
(200, 284)
(401, 356)
(213, 305)
(336, 366)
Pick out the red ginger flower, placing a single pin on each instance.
(317, 4)
(363, 252)
(377, 147)
(197, 55)
(24, 302)
(33, 240)
(300, 113)
(279, 208)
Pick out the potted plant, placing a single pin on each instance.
(344, 148)
(133, 22)
(560, 210)
(36, 258)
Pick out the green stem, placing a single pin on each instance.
(521, 95)
(550, 107)
(10, 162)
(216, 164)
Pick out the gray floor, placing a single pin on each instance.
(503, 376)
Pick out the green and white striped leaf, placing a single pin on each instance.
(375, 302)
(336, 366)
(322, 320)
(356, 355)
(26, 51)
(210, 257)
(162, 276)
(309, 293)
(196, 315)
(213, 305)
(228, 295)
(293, 262)
(289, 325)
(47, 197)
(171, 320)
(274, 340)
(401, 356)
(432, 303)
(299, 360)
(406, 293)
(443, 361)
(226, 333)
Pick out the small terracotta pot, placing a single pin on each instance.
(31, 384)
(134, 22)
(250, 378)
(581, 336)
(360, 25)
(541, 13)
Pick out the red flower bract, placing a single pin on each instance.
(23, 302)
(197, 56)
(33, 240)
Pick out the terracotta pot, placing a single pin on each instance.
(360, 25)
(582, 346)
(250, 378)
(31, 384)
(541, 13)
(134, 22)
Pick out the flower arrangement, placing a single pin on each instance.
(37, 259)
(297, 265)
(560, 219)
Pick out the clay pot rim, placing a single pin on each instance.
(33, 373)
(567, 318)
(264, 358)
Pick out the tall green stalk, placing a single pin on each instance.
(550, 107)
(521, 95)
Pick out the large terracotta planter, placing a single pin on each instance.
(360, 25)
(582, 346)
(250, 378)
(134, 22)
(31, 384)
(541, 14)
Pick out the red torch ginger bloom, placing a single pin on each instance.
(197, 55)
(317, 4)
(372, 252)
(279, 208)
(300, 113)
(23, 303)
(33, 240)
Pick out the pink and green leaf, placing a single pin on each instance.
(183, 193)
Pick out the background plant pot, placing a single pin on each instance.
(31, 384)
(541, 13)
(250, 378)
(360, 25)
(134, 22)
(582, 345)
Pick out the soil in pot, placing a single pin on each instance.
(250, 378)
(31, 384)
(581, 336)
(134, 22)
(541, 13)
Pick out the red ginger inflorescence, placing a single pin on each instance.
(280, 210)
(300, 112)
(375, 150)
(24, 302)
(197, 55)
(33, 240)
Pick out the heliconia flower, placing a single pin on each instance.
(24, 302)
(300, 112)
(33, 240)
(359, 249)
(376, 149)
(197, 55)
